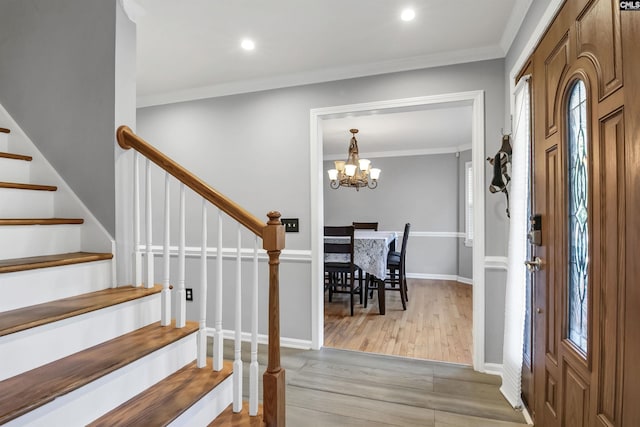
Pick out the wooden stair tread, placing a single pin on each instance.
(19, 186)
(20, 319)
(4, 130)
(242, 419)
(15, 156)
(32, 389)
(45, 261)
(40, 221)
(162, 403)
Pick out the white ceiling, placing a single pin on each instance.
(190, 49)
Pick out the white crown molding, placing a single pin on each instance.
(133, 10)
(518, 13)
(323, 75)
(405, 153)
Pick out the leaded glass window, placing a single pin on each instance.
(578, 185)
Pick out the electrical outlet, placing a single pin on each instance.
(189, 294)
(290, 225)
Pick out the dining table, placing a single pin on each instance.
(370, 251)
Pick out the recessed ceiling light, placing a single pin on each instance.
(248, 44)
(408, 15)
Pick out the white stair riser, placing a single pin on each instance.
(37, 240)
(81, 406)
(35, 347)
(12, 170)
(4, 142)
(26, 203)
(50, 284)
(208, 408)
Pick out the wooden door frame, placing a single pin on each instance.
(317, 207)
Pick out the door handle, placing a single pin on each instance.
(534, 265)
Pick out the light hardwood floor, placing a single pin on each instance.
(330, 388)
(437, 324)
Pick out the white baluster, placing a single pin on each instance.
(218, 340)
(149, 226)
(237, 363)
(181, 315)
(137, 254)
(166, 292)
(202, 333)
(253, 368)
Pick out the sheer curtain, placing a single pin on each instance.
(516, 274)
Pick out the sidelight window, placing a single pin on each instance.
(578, 227)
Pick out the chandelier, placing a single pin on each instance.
(355, 172)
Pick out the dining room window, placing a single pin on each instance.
(468, 204)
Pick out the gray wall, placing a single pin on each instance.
(530, 22)
(255, 148)
(57, 81)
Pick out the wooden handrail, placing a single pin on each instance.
(273, 239)
(127, 139)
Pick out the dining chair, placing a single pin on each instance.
(396, 269)
(365, 226)
(339, 269)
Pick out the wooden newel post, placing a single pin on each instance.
(273, 379)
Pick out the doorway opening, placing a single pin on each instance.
(368, 114)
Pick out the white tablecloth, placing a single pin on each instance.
(370, 250)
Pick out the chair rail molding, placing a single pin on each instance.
(317, 204)
(496, 263)
(246, 254)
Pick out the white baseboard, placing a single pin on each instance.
(493, 369)
(264, 339)
(465, 280)
(429, 276)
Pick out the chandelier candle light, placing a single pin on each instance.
(355, 172)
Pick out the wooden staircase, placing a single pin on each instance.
(76, 350)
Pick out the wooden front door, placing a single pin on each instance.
(586, 160)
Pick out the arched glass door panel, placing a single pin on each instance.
(578, 230)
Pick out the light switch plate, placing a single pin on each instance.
(290, 225)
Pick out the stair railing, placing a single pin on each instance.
(272, 235)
